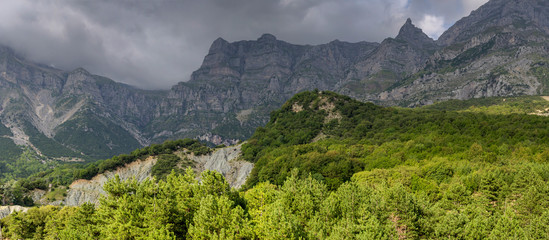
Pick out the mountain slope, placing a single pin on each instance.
(522, 14)
(50, 110)
(499, 50)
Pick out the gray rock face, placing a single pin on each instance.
(499, 50)
(499, 14)
(7, 210)
(83, 191)
(253, 75)
(415, 36)
(389, 63)
(224, 160)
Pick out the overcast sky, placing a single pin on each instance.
(154, 44)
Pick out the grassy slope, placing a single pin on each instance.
(495, 105)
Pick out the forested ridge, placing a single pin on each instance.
(329, 167)
(333, 136)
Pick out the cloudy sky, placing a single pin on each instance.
(154, 44)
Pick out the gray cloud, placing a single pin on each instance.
(154, 44)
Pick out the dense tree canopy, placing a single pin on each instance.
(333, 136)
(438, 199)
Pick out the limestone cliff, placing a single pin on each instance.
(224, 160)
(499, 50)
(7, 210)
(82, 191)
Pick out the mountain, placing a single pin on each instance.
(65, 114)
(391, 61)
(499, 50)
(239, 83)
(511, 16)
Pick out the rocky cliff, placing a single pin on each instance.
(499, 50)
(7, 210)
(224, 160)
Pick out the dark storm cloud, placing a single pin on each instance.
(154, 44)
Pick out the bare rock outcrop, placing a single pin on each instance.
(82, 191)
(224, 160)
(7, 210)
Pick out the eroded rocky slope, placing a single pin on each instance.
(7, 210)
(223, 160)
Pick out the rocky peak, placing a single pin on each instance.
(267, 37)
(77, 76)
(414, 35)
(407, 29)
(81, 71)
(219, 45)
(80, 81)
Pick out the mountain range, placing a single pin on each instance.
(498, 50)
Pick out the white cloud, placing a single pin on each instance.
(432, 25)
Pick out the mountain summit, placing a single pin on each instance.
(414, 36)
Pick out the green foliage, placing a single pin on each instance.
(96, 137)
(332, 136)
(4, 131)
(56, 194)
(22, 163)
(168, 162)
(49, 147)
(9, 150)
(218, 218)
(376, 204)
(328, 167)
(495, 105)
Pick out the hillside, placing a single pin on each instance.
(77, 183)
(330, 167)
(334, 136)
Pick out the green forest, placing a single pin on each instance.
(330, 167)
